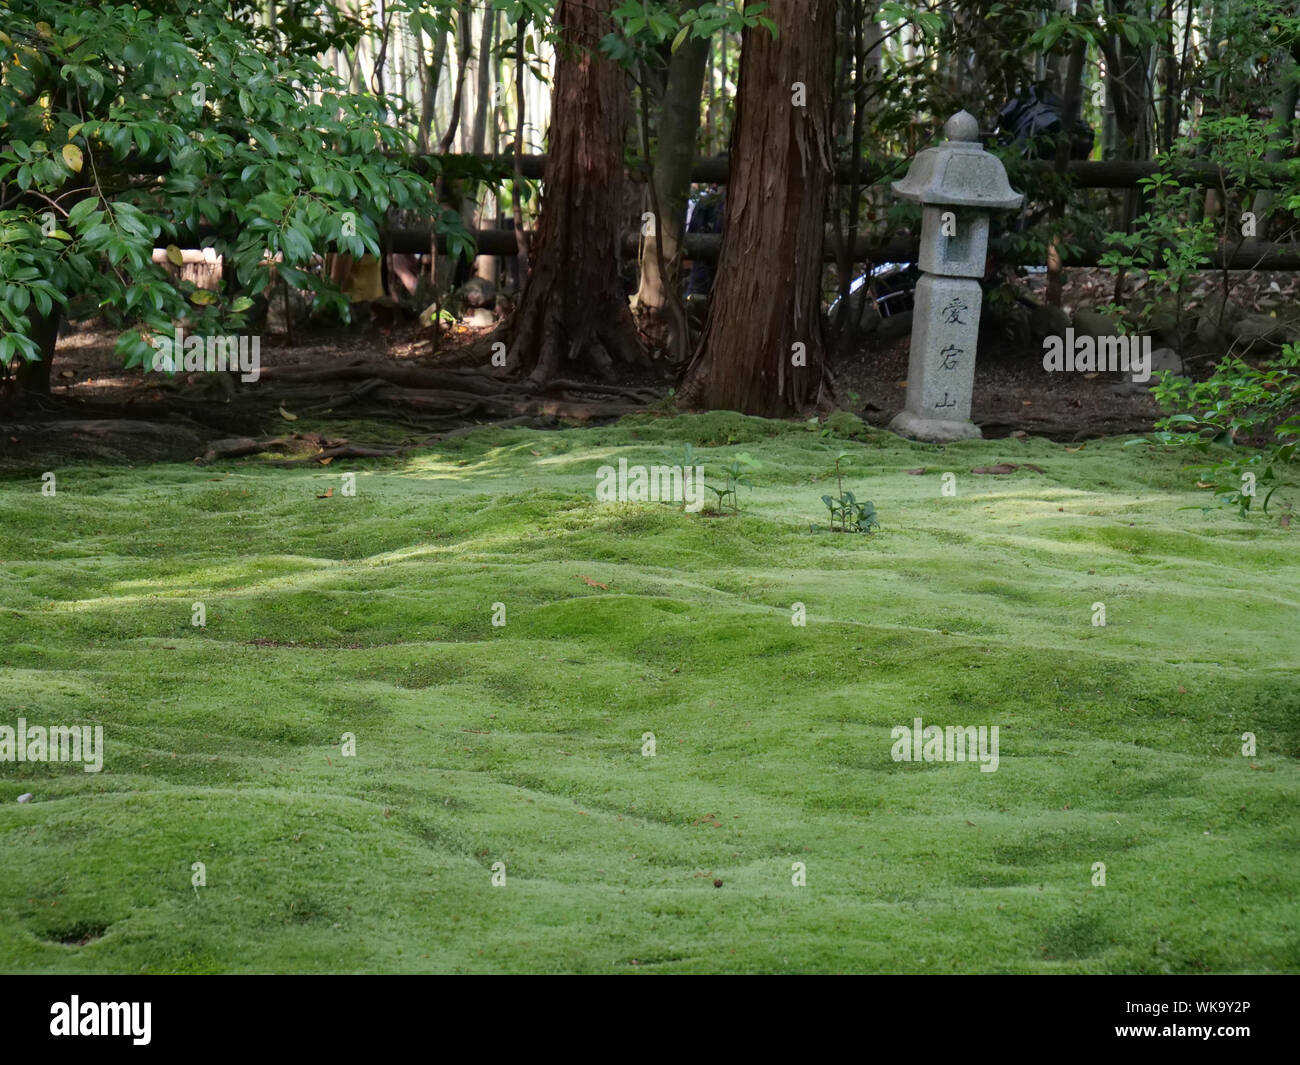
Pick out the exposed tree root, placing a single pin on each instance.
(325, 450)
(405, 376)
(91, 436)
(445, 386)
(502, 405)
(182, 426)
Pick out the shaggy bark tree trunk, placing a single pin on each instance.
(574, 308)
(679, 128)
(761, 352)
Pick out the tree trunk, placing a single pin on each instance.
(34, 377)
(845, 326)
(432, 73)
(1073, 91)
(484, 95)
(573, 307)
(484, 265)
(465, 49)
(766, 302)
(679, 128)
(709, 72)
(517, 186)
(1283, 116)
(1126, 76)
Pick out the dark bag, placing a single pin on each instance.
(1033, 122)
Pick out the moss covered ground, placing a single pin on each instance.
(522, 743)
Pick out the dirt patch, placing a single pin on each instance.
(77, 935)
(1012, 394)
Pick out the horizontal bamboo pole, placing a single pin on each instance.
(704, 247)
(1087, 174)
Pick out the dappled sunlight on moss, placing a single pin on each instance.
(373, 616)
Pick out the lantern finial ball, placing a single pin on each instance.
(962, 127)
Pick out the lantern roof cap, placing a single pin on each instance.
(958, 172)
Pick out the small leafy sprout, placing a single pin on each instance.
(847, 514)
(735, 479)
(686, 466)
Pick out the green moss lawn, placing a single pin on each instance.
(522, 744)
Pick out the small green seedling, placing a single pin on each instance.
(735, 479)
(686, 465)
(847, 514)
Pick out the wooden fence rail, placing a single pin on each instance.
(1086, 174)
(704, 247)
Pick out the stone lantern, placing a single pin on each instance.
(956, 183)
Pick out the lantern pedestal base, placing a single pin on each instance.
(933, 430)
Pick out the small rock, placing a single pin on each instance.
(27, 797)
(1046, 320)
(1218, 316)
(1093, 323)
(1217, 308)
(1173, 324)
(1209, 333)
(1262, 330)
(1166, 359)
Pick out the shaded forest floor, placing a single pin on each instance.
(163, 417)
(522, 743)
(1012, 394)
